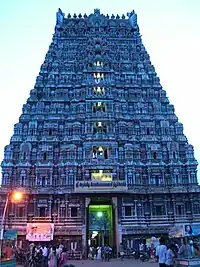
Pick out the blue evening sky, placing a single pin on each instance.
(171, 34)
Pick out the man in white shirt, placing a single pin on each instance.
(162, 253)
(44, 256)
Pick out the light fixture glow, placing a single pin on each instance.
(99, 214)
(17, 196)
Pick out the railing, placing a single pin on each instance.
(54, 219)
(118, 185)
(39, 219)
(159, 219)
(22, 221)
(151, 188)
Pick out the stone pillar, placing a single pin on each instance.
(191, 204)
(51, 177)
(188, 175)
(143, 208)
(174, 206)
(163, 176)
(134, 180)
(166, 206)
(26, 207)
(58, 201)
(149, 175)
(35, 207)
(66, 207)
(84, 232)
(118, 228)
(135, 203)
(151, 205)
(50, 206)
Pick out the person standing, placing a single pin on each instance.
(157, 252)
(162, 253)
(152, 253)
(196, 250)
(184, 250)
(44, 256)
(8, 252)
(107, 251)
(170, 257)
(121, 251)
(98, 253)
(53, 260)
(63, 257)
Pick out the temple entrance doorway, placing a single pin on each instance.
(100, 230)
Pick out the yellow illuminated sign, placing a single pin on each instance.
(101, 176)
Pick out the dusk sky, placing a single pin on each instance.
(170, 31)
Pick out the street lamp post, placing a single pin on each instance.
(2, 223)
(15, 196)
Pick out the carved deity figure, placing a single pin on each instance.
(59, 18)
(132, 18)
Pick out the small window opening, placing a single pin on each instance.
(99, 106)
(74, 212)
(20, 211)
(98, 77)
(43, 181)
(45, 156)
(98, 64)
(159, 210)
(100, 127)
(98, 90)
(179, 209)
(100, 152)
(157, 182)
(128, 211)
(42, 212)
(22, 181)
(24, 156)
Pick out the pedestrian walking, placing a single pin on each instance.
(162, 253)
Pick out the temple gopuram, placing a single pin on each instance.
(98, 150)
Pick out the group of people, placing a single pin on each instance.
(49, 256)
(164, 251)
(100, 253)
(167, 252)
(42, 256)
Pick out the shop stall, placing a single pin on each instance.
(189, 232)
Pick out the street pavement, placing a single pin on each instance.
(112, 263)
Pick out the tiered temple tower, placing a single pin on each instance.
(98, 148)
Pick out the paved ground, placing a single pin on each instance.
(112, 263)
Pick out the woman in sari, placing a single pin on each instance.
(63, 258)
(53, 260)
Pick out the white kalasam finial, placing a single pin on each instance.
(132, 18)
(59, 18)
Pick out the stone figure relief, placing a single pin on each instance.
(59, 18)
